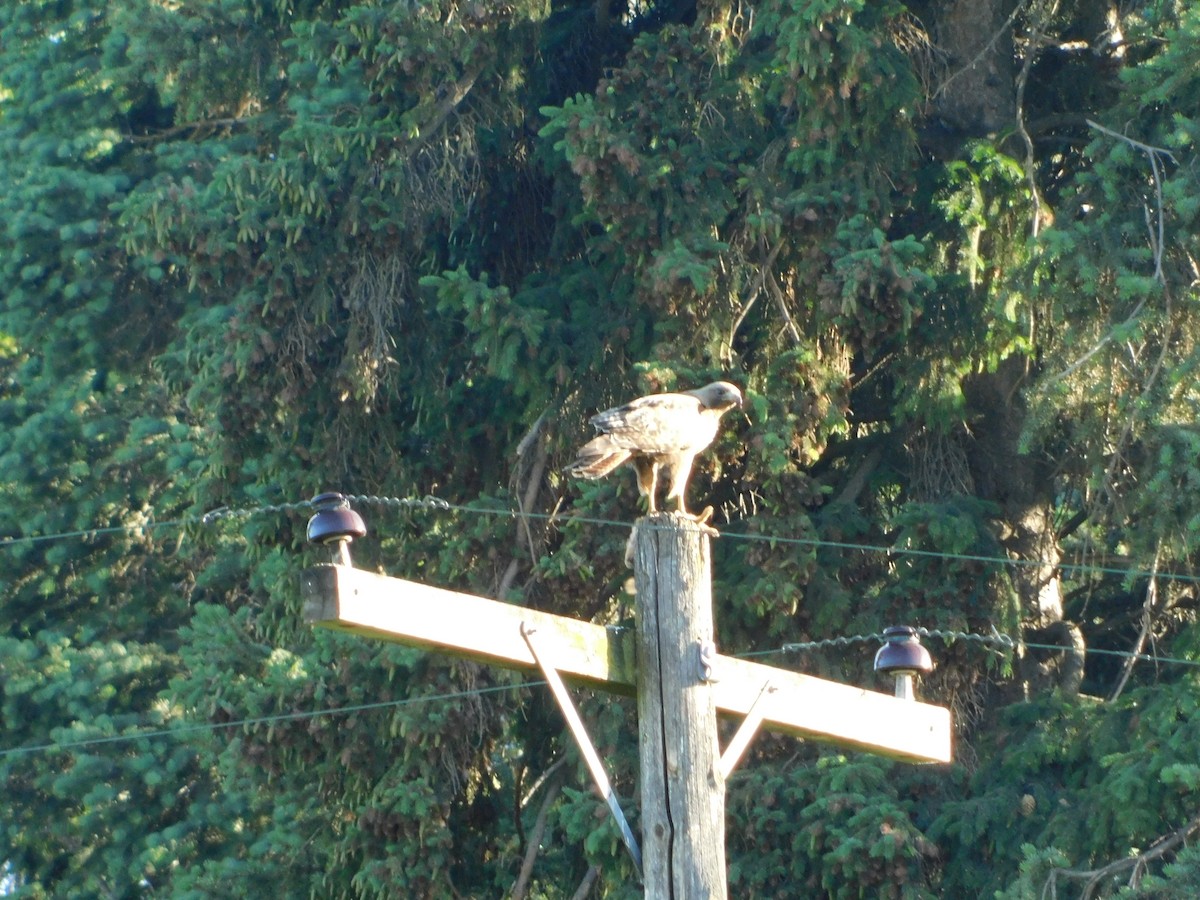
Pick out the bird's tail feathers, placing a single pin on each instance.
(597, 458)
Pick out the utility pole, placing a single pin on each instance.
(682, 787)
(682, 684)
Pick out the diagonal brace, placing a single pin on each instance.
(746, 731)
(590, 756)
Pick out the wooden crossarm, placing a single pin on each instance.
(407, 612)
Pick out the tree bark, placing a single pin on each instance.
(1022, 485)
(977, 95)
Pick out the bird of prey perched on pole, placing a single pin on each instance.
(658, 432)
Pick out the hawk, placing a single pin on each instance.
(658, 432)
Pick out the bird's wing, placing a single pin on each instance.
(660, 423)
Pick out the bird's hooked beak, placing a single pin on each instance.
(720, 395)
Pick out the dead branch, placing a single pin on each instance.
(781, 301)
(1155, 155)
(203, 126)
(1022, 79)
(1100, 344)
(542, 779)
(533, 482)
(535, 840)
(525, 483)
(1122, 441)
(450, 100)
(1147, 605)
(585, 886)
(754, 294)
(1137, 864)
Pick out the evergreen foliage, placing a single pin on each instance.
(255, 250)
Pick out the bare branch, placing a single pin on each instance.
(449, 102)
(525, 483)
(1147, 605)
(760, 281)
(1136, 864)
(1151, 379)
(542, 779)
(533, 481)
(1145, 148)
(1100, 344)
(781, 301)
(585, 886)
(1022, 79)
(1155, 155)
(535, 840)
(204, 126)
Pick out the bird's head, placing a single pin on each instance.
(720, 395)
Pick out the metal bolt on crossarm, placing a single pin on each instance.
(903, 657)
(335, 524)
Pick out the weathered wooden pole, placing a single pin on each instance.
(682, 788)
(680, 681)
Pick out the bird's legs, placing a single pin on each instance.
(647, 481)
(679, 477)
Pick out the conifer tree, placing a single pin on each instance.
(256, 250)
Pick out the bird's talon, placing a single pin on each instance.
(701, 519)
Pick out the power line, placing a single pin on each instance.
(58, 746)
(213, 516)
(85, 533)
(813, 542)
(1002, 641)
(997, 639)
(1124, 654)
(438, 504)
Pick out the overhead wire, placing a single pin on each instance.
(438, 504)
(179, 730)
(999, 640)
(94, 532)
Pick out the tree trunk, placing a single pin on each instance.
(1023, 487)
(977, 95)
